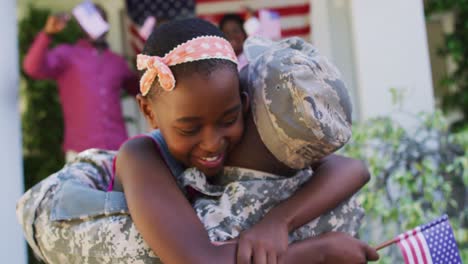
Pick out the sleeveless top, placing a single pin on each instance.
(176, 168)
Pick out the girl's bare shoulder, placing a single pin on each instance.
(138, 158)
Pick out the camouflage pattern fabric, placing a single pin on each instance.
(240, 198)
(93, 237)
(300, 104)
(70, 218)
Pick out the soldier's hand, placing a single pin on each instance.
(56, 23)
(264, 243)
(343, 248)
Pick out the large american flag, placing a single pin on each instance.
(139, 10)
(294, 15)
(433, 243)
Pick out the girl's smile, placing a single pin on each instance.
(212, 162)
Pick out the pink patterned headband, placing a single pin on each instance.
(199, 48)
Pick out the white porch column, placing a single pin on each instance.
(378, 45)
(391, 51)
(12, 245)
(332, 35)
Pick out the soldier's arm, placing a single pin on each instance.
(332, 247)
(335, 179)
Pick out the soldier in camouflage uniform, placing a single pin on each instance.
(97, 227)
(302, 113)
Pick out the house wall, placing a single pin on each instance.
(333, 38)
(386, 48)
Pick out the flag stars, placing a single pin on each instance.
(441, 245)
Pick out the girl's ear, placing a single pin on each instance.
(245, 102)
(144, 103)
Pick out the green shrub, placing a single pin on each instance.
(455, 46)
(416, 177)
(42, 124)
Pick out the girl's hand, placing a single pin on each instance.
(342, 248)
(264, 243)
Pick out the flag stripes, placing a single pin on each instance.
(294, 14)
(433, 243)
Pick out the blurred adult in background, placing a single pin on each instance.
(90, 79)
(232, 25)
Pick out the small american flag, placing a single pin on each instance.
(294, 14)
(139, 10)
(433, 243)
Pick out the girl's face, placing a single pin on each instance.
(201, 120)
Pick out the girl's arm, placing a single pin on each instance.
(335, 179)
(161, 212)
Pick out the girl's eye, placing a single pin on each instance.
(229, 121)
(188, 132)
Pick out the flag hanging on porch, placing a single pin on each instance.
(433, 243)
(138, 11)
(294, 14)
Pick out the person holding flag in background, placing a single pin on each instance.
(89, 77)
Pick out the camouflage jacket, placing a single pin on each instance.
(240, 198)
(97, 227)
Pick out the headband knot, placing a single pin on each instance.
(155, 67)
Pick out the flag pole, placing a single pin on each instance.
(387, 243)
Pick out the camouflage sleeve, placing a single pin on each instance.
(241, 197)
(96, 228)
(346, 218)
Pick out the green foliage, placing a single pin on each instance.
(416, 177)
(456, 47)
(42, 123)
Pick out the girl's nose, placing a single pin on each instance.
(212, 141)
